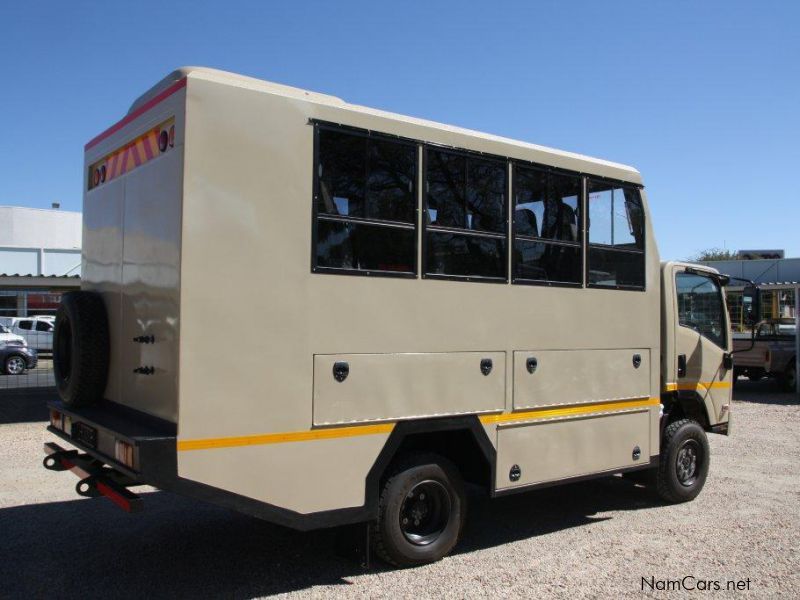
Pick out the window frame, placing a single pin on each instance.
(580, 245)
(423, 259)
(316, 216)
(610, 248)
(726, 333)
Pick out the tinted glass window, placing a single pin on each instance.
(616, 235)
(547, 205)
(538, 261)
(486, 195)
(342, 171)
(465, 255)
(615, 269)
(43, 326)
(25, 325)
(366, 177)
(366, 202)
(446, 189)
(465, 191)
(615, 216)
(390, 181)
(351, 245)
(700, 306)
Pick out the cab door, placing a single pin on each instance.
(703, 365)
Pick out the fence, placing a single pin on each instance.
(26, 357)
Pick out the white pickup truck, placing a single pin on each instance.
(772, 353)
(37, 331)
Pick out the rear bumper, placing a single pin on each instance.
(154, 443)
(95, 478)
(153, 440)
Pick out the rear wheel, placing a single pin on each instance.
(789, 378)
(81, 348)
(421, 512)
(684, 462)
(15, 365)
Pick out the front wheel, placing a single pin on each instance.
(421, 511)
(15, 365)
(789, 378)
(684, 462)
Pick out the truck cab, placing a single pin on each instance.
(697, 365)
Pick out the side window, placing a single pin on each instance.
(43, 326)
(465, 215)
(700, 306)
(547, 244)
(616, 236)
(26, 325)
(365, 203)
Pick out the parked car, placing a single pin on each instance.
(37, 331)
(772, 354)
(6, 336)
(15, 358)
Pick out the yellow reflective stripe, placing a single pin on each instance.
(569, 411)
(281, 438)
(357, 430)
(699, 386)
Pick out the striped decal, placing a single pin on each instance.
(132, 155)
(697, 386)
(178, 85)
(282, 438)
(358, 430)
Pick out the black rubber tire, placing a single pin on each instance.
(81, 348)
(389, 541)
(788, 378)
(676, 436)
(9, 359)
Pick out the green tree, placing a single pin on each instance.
(714, 254)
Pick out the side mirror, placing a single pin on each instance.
(751, 305)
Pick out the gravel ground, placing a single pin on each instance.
(587, 540)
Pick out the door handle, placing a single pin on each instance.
(681, 365)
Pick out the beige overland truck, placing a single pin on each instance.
(428, 306)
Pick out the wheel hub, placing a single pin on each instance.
(686, 462)
(425, 512)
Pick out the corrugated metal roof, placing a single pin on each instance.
(40, 276)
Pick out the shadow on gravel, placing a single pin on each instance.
(766, 391)
(185, 549)
(25, 405)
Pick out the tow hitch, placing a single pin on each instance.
(96, 479)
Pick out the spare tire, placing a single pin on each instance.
(81, 348)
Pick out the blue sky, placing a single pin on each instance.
(702, 97)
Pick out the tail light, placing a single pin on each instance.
(123, 453)
(163, 140)
(57, 420)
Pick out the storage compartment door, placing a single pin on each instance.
(555, 450)
(553, 377)
(372, 387)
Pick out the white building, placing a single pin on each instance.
(40, 258)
